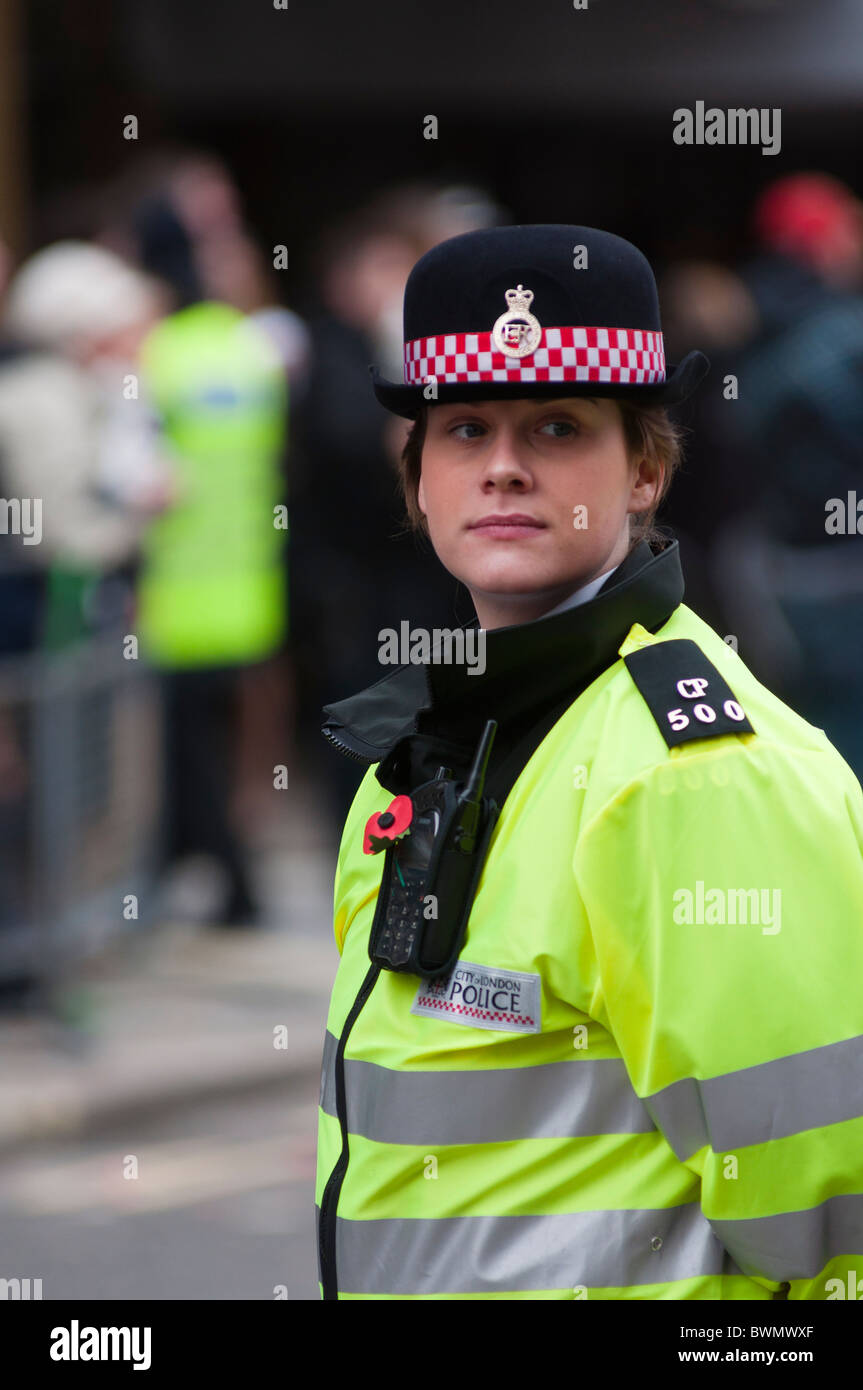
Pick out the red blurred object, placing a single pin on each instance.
(804, 215)
(386, 826)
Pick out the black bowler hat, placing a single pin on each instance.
(547, 310)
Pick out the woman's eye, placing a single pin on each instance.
(466, 425)
(561, 428)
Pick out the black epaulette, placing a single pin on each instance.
(685, 693)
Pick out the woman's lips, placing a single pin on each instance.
(506, 527)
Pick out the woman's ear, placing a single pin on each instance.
(421, 501)
(646, 478)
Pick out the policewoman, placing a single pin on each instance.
(597, 1026)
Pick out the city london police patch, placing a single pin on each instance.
(481, 996)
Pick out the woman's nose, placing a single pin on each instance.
(505, 458)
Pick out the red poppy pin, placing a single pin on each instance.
(386, 826)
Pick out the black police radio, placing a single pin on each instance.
(430, 874)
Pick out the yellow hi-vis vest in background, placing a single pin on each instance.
(644, 1079)
(212, 587)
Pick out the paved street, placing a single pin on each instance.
(195, 1063)
(222, 1207)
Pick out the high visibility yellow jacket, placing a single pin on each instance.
(644, 1079)
(212, 590)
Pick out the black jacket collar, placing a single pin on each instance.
(529, 668)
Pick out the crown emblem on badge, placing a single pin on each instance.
(519, 299)
(517, 333)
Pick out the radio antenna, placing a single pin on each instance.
(476, 777)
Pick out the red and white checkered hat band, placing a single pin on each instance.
(626, 355)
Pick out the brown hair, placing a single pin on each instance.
(648, 431)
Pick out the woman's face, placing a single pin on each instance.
(563, 465)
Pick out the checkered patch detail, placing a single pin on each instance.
(628, 356)
(491, 1015)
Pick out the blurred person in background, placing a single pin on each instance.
(791, 569)
(708, 303)
(22, 576)
(22, 581)
(181, 210)
(355, 568)
(212, 594)
(78, 446)
(77, 435)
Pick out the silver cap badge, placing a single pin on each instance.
(517, 333)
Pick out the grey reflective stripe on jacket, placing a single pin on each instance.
(823, 1086)
(556, 1100)
(598, 1249)
(499, 1254)
(808, 1090)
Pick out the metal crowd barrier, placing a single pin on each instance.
(80, 804)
